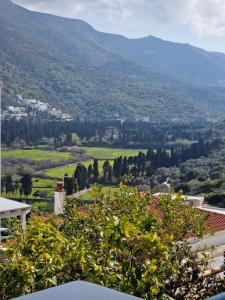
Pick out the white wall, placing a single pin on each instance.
(59, 202)
(217, 239)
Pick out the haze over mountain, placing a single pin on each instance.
(91, 74)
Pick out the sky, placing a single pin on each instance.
(197, 22)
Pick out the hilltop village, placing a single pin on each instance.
(30, 108)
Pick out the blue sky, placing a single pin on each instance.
(198, 22)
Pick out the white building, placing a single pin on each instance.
(10, 208)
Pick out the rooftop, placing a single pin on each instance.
(78, 290)
(216, 216)
(210, 208)
(216, 221)
(11, 205)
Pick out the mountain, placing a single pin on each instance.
(181, 61)
(68, 64)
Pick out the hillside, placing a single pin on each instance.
(181, 61)
(67, 63)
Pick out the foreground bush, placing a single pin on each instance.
(117, 241)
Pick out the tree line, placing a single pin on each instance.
(23, 186)
(144, 164)
(32, 131)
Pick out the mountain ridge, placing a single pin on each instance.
(204, 60)
(64, 62)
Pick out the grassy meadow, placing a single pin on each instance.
(70, 168)
(47, 184)
(103, 153)
(36, 154)
(39, 184)
(43, 183)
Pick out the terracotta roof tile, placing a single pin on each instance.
(216, 221)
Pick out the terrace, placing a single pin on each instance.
(10, 208)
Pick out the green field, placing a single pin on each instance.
(36, 154)
(69, 169)
(109, 153)
(49, 185)
(39, 184)
(42, 184)
(101, 154)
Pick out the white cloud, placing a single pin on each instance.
(204, 17)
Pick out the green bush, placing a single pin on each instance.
(115, 241)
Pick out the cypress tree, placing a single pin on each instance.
(105, 168)
(110, 171)
(95, 169)
(125, 168)
(69, 185)
(118, 172)
(81, 176)
(90, 171)
(8, 184)
(26, 184)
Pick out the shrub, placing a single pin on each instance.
(115, 241)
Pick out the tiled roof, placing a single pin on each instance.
(153, 207)
(215, 220)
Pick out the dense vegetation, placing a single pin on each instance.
(190, 155)
(111, 133)
(62, 61)
(114, 242)
(141, 168)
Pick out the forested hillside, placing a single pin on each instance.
(65, 62)
(181, 61)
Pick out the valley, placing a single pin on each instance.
(45, 180)
(191, 157)
(112, 149)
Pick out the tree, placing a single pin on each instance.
(90, 172)
(114, 165)
(125, 167)
(21, 191)
(8, 184)
(68, 139)
(26, 184)
(3, 183)
(119, 236)
(141, 162)
(76, 187)
(118, 167)
(69, 183)
(105, 168)
(95, 169)
(110, 172)
(117, 242)
(134, 172)
(16, 186)
(81, 176)
(35, 261)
